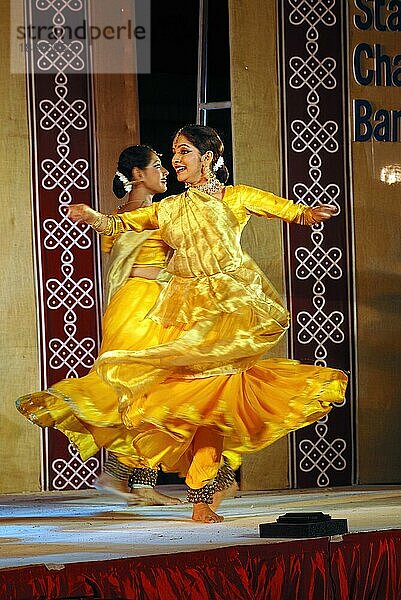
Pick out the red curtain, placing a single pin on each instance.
(294, 570)
(367, 566)
(358, 567)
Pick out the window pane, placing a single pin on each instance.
(167, 95)
(218, 52)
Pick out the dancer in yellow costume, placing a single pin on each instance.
(134, 281)
(204, 389)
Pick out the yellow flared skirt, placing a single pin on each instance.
(145, 404)
(209, 372)
(86, 409)
(250, 410)
(247, 408)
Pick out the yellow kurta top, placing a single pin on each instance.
(219, 311)
(211, 273)
(132, 249)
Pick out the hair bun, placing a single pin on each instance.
(222, 174)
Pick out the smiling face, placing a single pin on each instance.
(153, 177)
(188, 161)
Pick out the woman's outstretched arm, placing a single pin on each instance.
(137, 220)
(266, 204)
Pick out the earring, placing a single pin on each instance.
(209, 174)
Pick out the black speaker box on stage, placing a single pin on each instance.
(303, 525)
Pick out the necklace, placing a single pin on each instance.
(213, 186)
(127, 204)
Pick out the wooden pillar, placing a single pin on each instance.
(19, 370)
(256, 152)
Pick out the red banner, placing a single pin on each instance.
(320, 269)
(66, 261)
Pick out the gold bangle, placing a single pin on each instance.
(307, 217)
(108, 230)
(101, 223)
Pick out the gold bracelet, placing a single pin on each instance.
(109, 226)
(101, 223)
(307, 217)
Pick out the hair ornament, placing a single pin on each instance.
(219, 163)
(125, 181)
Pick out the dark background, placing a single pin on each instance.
(168, 95)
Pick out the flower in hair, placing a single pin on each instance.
(219, 163)
(125, 181)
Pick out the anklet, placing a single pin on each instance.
(116, 469)
(140, 486)
(203, 494)
(142, 477)
(225, 477)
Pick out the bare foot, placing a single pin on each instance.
(151, 497)
(228, 492)
(115, 487)
(137, 496)
(203, 513)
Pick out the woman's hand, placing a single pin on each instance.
(82, 212)
(323, 212)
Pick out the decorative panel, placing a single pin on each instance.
(63, 171)
(315, 152)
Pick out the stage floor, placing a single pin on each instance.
(68, 527)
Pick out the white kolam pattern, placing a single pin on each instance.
(63, 116)
(71, 472)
